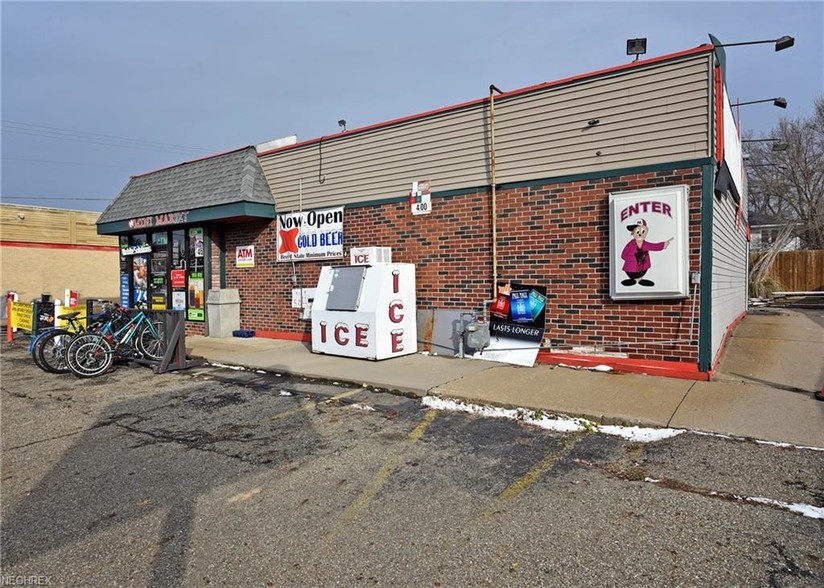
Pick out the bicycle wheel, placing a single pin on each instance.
(50, 351)
(151, 342)
(89, 355)
(33, 348)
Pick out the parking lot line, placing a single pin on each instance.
(533, 475)
(311, 405)
(359, 505)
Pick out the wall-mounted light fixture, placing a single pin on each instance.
(781, 43)
(779, 102)
(777, 144)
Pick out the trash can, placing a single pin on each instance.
(223, 311)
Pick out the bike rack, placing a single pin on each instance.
(174, 335)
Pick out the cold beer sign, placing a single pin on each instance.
(310, 236)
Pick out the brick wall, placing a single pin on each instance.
(555, 235)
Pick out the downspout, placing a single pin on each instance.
(492, 90)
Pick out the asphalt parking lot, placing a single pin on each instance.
(239, 478)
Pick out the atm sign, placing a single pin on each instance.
(245, 256)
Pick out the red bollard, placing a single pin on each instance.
(9, 334)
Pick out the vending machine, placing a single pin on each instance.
(367, 309)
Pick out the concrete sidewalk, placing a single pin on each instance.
(763, 390)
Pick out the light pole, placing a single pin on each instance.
(777, 144)
(779, 102)
(781, 43)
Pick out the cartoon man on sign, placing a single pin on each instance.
(636, 254)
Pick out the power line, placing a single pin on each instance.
(23, 126)
(65, 162)
(69, 198)
(106, 143)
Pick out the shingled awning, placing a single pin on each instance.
(229, 185)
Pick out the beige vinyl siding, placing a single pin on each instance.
(51, 225)
(648, 115)
(729, 269)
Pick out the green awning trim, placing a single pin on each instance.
(198, 216)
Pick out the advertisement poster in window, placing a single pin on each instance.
(140, 277)
(649, 244)
(124, 290)
(125, 298)
(516, 324)
(196, 294)
(178, 279)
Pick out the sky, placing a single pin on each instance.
(93, 93)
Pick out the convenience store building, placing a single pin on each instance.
(621, 192)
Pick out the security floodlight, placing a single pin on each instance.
(636, 47)
(342, 124)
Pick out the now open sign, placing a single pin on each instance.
(245, 256)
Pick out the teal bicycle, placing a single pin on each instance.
(92, 354)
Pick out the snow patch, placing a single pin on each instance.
(558, 423)
(597, 368)
(239, 368)
(640, 434)
(363, 407)
(285, 393)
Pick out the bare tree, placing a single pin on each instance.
(788, 185)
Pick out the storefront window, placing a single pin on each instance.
(168, 273)
(159, 270)
(177, 274)
(196, 275)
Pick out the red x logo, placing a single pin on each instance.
(288, 241)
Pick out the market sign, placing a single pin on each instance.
(159, 220)
(310, 236)
(245, 256)
(649, 244)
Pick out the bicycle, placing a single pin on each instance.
(92, 354)
(48, 348)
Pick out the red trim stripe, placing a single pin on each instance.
(724, 342)
(60, 246)
(504, 96)
(719, 115)
(305, 337)
(669, 369)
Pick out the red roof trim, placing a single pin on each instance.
(671, 56)
(192, 161)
